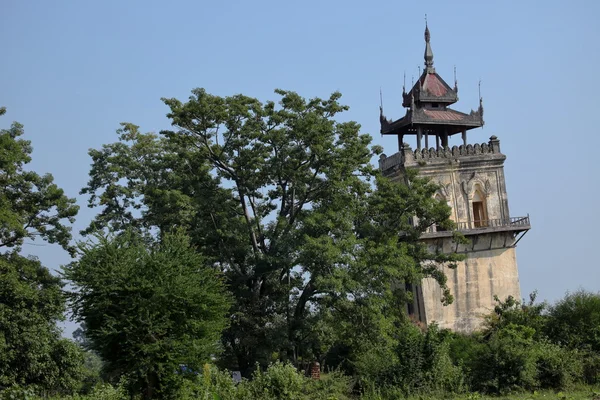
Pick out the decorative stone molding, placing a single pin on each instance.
(446, 190)
(454, 152)
(408, 156)
(476, 179)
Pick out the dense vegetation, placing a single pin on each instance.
(254, 237)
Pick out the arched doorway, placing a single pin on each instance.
(480, 218)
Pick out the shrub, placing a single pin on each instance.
(279, 381)
(507, 362)
(515, 312)
(331, 386)
(511, 360)
(557, 367)
(105, 391)
(17, 392)
(419, 363)
(591, 368)
(574, 321)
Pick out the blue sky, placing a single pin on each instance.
(72, 70)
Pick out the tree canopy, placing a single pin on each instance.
(148, 308)
(282, 197)
(32, 351)
(30, 205)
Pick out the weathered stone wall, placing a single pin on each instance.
(489, 270)
(459, 171)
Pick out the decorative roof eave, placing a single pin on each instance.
(418, 117)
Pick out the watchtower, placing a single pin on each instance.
(471, 181)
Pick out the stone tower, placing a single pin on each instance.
(471, 180)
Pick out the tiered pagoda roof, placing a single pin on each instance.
(427, 106)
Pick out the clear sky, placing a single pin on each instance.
(70, 71)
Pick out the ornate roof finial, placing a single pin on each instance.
(480, 105)
(455, 81)
(428, 52)
(404, 84)
(380, 102)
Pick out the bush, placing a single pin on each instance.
(574, 321)
(507, 362)
(279, 381)
(108, 392)
(212, 383)
(419, 363)
(17, 392)
(511, 360)
(332, 386)
(557, 367)
(514, 312)
(591, 368)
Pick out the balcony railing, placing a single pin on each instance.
(494, 223)
(512, 223)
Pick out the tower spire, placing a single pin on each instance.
(455, 81)
(428, 52)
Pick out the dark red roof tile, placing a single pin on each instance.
(444, 115)
(433, 85)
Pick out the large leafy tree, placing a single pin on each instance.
(148, 308)
(31, 205)
(32, 351)
(283, 198)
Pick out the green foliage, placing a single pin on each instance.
(105, 391)
(508, 361)
(17, 392)
(513, 312)
(278, 382)
(32, 352)
(418, 363)
(557, 367)
(148, 307)
(31, 205)
(591, 368)
(284, 199)
(92, 371)
(511, 359)
(574, 321)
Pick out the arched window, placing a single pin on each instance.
(479, 208)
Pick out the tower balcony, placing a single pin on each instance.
(514, 224)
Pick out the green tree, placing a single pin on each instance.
(284, 199)
(574, 321)
(32, 351)
(30, 205)
(148, 308)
